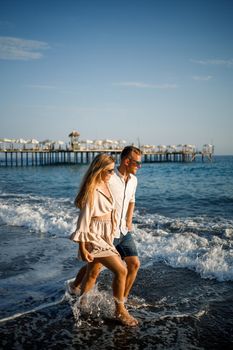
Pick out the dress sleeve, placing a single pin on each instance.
(82, 232)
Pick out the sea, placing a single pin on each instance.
(183, 229)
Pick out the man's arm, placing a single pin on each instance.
(129, 216)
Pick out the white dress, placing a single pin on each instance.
(99, 233)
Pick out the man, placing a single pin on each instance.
(123, 186)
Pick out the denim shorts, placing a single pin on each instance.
(126, 245)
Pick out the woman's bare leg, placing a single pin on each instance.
(115, 264)
(91, 273)
(75, 286)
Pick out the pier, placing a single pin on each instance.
(11, 158)
(31, 152)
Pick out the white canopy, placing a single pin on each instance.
(7, 140)
(98, 142)
(121, 141)
(45, 142)
(89, 142)
(21, 141)
(58, 142)
(33, 141)
(107, 141)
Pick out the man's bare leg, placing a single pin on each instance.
(133, 264)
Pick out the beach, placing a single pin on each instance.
(183, 229)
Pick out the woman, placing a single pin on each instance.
(95, 231)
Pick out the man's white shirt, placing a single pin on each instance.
(123, 193)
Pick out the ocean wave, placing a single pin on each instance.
(39, 214)
(198, 244)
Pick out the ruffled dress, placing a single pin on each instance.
(96, 231)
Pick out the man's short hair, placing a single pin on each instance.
(128, 150)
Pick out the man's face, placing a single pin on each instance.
(134, 162)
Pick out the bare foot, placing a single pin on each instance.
(125, 318)
(72, 289)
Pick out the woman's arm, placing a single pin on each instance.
(82, 232)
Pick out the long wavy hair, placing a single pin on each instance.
(91, 178)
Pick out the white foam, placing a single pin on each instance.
(35, 309)
(39, 214)
(208, 254)
(202, 244)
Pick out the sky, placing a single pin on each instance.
(145, 71)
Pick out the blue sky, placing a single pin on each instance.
(160, 71)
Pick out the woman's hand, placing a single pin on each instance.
(85, 254)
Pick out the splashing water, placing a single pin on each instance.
(94, 306)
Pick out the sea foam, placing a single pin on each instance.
(202, 244)
(198, 244)
(39, 214)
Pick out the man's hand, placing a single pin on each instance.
(129, 226)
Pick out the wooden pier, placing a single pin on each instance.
(15, 158)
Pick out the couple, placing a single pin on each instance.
(106, 201)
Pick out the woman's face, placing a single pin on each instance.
(107, 172)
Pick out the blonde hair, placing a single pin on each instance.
(91, 179)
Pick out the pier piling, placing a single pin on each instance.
(59, 157)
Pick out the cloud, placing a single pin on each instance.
(21, 49)
(216, 62)
(141, 85)
(202, 78)
(43, 87)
